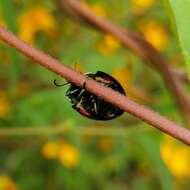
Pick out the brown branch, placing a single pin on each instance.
(138, 45)
(107, 94)
(181, 75)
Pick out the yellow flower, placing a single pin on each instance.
(97, 8)
(109, 45)
(2, 22)
(155, 33)
(68, 155)
(140, 6)
(6, 183)
(106, 144)
(34, 20)
(4, 104)
(50, 150)
(125, 78)
(176, 157)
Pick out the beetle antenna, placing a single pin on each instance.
(59, 85)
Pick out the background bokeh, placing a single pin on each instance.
(45, 144)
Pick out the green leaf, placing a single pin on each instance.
(181, 14)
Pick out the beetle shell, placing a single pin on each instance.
(92, 106)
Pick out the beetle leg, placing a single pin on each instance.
(96, 105)
(80, 94)
(82, 91)
(110, 84)
(95, 108)
(70, 92)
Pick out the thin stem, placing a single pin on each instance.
(42, 134)
(96, 88)
(59, 130)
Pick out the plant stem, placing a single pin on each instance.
(109, 95)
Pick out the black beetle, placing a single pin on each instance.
(90, 105)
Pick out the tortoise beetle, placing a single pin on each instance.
(90, 105)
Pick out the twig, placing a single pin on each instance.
(181, 75)
(96, 88)
(59, 130)
(140, 46)
(23, 137)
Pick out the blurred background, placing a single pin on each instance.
(45, 144)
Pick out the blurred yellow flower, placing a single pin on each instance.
(4, 104)
(2, 22)
(140, 6)
(68, 155)
(123, 75)
(155, 33)
(34, 20)
(50, 150)
(125, 78)
(97, 8)
(106, 144)
(6, 183)
(108, 46)
(176, 157)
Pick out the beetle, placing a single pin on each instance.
(90, 105)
